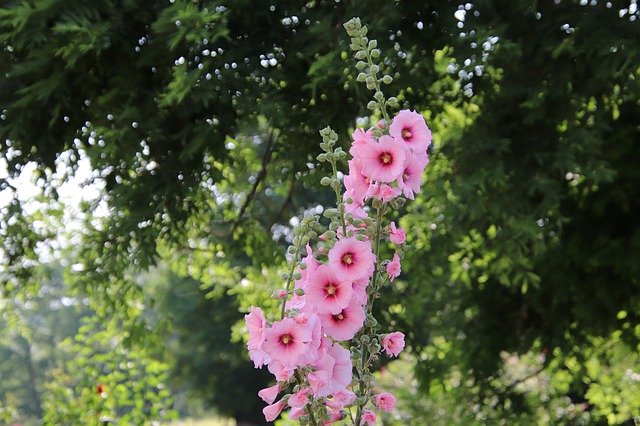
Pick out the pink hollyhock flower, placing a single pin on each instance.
(356, 183)
(281, 372)
(346, 323)
(326, 292)
(300, 398)
(269, 394)
(368, 418)
(296, 412)
(360, 138)
(336, 364)
(271, 412)
(351, 259)
(256, 324)
(382, 161)
(286, 341)
(360, 290)
(410, 128)
(317, 380)
(341, 399)
(411, 177)
(259, 357)
(393, 343)
(383, 192)
(356, 211)
(385, 401)
(312, 322)
(393, 267)
(397, 235)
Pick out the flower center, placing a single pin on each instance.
(347, 259)
(331, 289)
(406, 134)
(286, 339)
(386, 158)
(406, 175)
(339, 317)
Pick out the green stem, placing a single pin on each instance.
(339, 199)
(290, 279)
(376, 84)
(364, 361)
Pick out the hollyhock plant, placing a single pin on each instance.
(323, 346)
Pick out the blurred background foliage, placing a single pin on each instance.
(156, 157)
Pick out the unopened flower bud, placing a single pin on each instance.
(372, 105)
(279, 294)
(299, 291)
(387, 79)
(361, 77)
(325, 181)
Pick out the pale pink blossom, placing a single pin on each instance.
(318, 379)
(356, 183)
(346, 323)
(326, 292)
(411, 177)
(360, 290)
(351, 259)
(385, 401)
(382, 161)
(269, 394)
(296, 412)
(341, 399)
(393, 343)
(271, 412)
(393, 267)
(356, 211)
(383, 192)
(259, 357)
(368, 418)
(309, 319)
(286, 341)
(410, 128)
(336, 363)
(360, 138)
(256, 324)
(396, 235)
(300, 399)
(281, 372)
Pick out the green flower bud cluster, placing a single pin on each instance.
(367, 54)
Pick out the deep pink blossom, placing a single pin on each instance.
(271, 412)
(346, 323)
(393, 343)
(382, 161)
(368, 418)
(286, 341)
(396, 235)
(410, 128)
(269, 394)
(393, 267)
(351, 259)
(341, 399)
(326, 292)
(385, 401)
